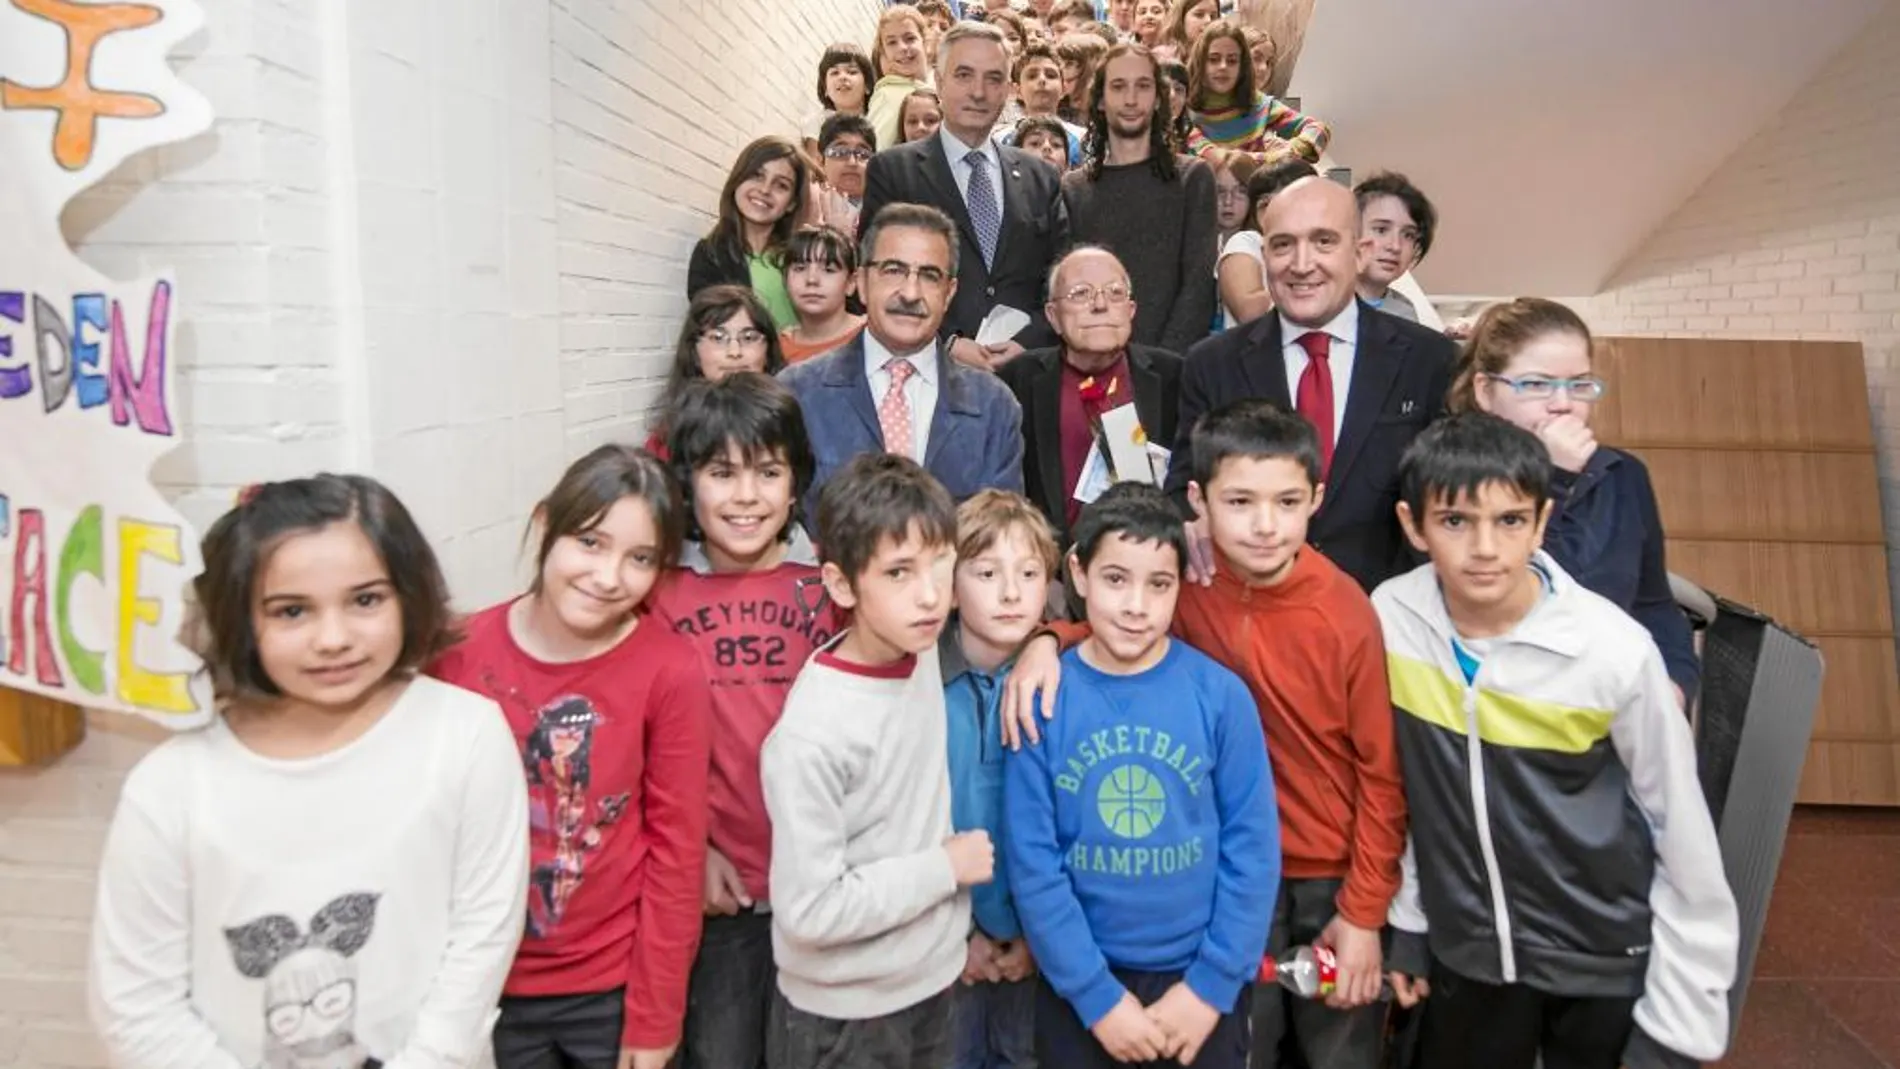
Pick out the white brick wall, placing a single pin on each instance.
(441, 242)
(1796, 236)
(653, 99)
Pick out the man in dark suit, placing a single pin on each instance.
(1007, 204)
(892, 388)
(1095, 369)
(1367, 381)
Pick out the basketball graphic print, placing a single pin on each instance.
(1131, 802)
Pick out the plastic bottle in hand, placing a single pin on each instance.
(1309, 972)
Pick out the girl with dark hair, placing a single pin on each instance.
(727, 330)
(1529, 361)
(611, 716)
(823, 277)
(1081, 54)
(342, 826)
(844, 88)
(1228, 110)
(920, 115)
(1175, 73)
(759, 207)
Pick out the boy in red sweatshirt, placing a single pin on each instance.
(1304, 637)
(748, 598)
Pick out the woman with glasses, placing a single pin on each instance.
(727, 330)
(1529, 361)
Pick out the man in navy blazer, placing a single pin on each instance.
(1383, 380)
(1006, 203)
(894, 387)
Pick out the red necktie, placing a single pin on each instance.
(1315, 398)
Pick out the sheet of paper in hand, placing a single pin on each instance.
(1002, 324)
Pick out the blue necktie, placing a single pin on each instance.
(985, 219)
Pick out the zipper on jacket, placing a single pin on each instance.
(1481, 819)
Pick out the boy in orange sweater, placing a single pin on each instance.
(1305, 639)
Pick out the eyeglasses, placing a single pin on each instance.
(1584, 388)
(846, 152)
(725, 339)
(328, 1005)
(1082, 294)
(1230, 193)
(897, 272)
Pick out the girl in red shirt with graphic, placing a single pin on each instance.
(611, 715)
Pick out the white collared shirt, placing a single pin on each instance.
(1344, 329)
(920, 390)
(956, 152)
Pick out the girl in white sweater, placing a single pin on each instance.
(332, 874)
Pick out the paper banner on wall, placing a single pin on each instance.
(94, 561)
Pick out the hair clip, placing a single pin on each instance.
(248, 493)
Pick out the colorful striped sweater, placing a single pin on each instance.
(1269, 128)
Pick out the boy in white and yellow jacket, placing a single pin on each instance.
(1564, 894)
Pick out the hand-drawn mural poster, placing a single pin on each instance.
(93, 560)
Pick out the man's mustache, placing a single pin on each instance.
(902, 307)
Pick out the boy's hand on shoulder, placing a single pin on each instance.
(1408, 990)
(1187, 1021)
(980, 962)
(1129, 1034)
(1037, 671)
(972, 857)
(1359, 961)
(725, 891)
(1200, 542)
(1015, 960)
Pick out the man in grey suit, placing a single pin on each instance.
(1007, 204)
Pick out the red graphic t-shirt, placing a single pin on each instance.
(615, 751)
(752, 632)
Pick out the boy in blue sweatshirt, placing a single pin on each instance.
(1141, 833)
(1006, 554)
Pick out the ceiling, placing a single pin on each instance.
(1555, 135)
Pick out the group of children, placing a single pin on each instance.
(714, 793)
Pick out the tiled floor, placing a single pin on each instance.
(1826, 991)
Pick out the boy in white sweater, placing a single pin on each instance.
(869, 918)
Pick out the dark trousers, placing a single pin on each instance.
(560, 1031)
(1062, 1042)
(994, 1025)
(1289, 1031)
(917, 1037)
(1508, 1026)
(729, 995)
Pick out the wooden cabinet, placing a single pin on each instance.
(1762, 455)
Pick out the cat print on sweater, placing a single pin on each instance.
(309, 983)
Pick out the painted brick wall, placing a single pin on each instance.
(1796, 236)
(443, 243)
(653, 99)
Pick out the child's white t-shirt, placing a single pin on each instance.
(361, 904)
(1243, 243)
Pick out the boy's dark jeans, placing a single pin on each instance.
(1290, 1031)
(914, 1038)
(994, 1025)
(729, 997)
(1510, 1026)
(1062, 1042)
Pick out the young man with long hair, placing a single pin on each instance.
(1136, 196)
